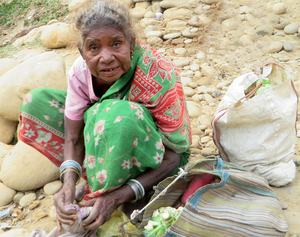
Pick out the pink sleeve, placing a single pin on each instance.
(77, 101)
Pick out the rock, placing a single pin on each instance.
(195, 67)
(58, 35)
(6, 64)
(274, 19)
(210, 1)
(222, 84)
(7, 130)
(180, 14)
(171, 3)
(53, 187)
(7, 195)
(209, 98)
(231, 24)
(283, 22)
(175, 26)
(193, 109)
(280, 34)
(283, 205)
(150, 22)
(18, 197)
(155, 41)
(203, 127)
(191, 32)
(195, 141)
(138, 12)
(246, 40)
(189, 91)
(265, 30)
(27, 199)
(157, 33)
(24, 168)
(181, 52)
(149, 29)
(181, 62)
(208, 151)
(291, 28)
(44, 70)
(287, 46)
(205, 139)
(280, 8)
(75, 5)
(201, 55)
(150, 14)
(31, 37)
(16, 233)
(52, 213)
(185, 81)
(196, 131)
(143, 4)
(204, 120)
(4, 150)
(202, 89)
(209, 71)
(216, 94)
(274, 47)
(156, 7)
(187, 73)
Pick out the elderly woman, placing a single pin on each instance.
(122, 124)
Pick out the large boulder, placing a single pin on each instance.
(7, 130)
(44, 70)
(7, 195)
(31, 37)
(4, 150)
(171, 3)
(6, 64)
(59, 35)
(24, 168)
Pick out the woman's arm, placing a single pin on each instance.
(105, 204)
(73, 150)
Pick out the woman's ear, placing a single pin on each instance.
(132, 45)
(80, 51)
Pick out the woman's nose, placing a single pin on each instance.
(106, 56)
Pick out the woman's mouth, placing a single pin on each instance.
(109, 70)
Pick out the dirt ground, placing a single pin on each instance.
(289, 195)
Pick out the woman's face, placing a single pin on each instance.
(107, 53)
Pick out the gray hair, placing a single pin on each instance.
(105, 13)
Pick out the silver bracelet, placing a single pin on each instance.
(137, 188)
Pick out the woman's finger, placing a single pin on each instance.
(92, 216)
(65, 217)
(88, 203)
(58, 225)
(94, 225)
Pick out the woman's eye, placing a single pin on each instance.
(93, 48)
(116, 44)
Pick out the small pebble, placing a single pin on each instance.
(283, 205)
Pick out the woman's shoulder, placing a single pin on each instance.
(78, 66)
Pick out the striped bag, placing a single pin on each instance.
(241, 203)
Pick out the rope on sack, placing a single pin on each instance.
(135, 213)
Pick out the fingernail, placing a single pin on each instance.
(83, 225)
(75, 218)
(71, 223)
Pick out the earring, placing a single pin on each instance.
(131, 54)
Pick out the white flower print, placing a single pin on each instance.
(114, 102)
(54, 103)
(159, 145)
(61, 110)
(27, 99)
(29, 133)
(43, 136)
(135, 106)
(135, 142)
(158, 158)
(93, 178)
(91, 161)
(148, 129)
(140, 115)
(87, 139)
(97, 140)
(147, 139)
(118, 119)
(47, 117)
(135, 162)
(101, 176)
(126, 164)
(99, 127)
(110, 149)
(121, 180)
(100, 160)
(60, 123)
(117, 96)
(106, 109)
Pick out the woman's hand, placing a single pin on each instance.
(103, 207)
(64, 197)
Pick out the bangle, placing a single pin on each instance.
(137, 188)
(62, 175)
(70, 163)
